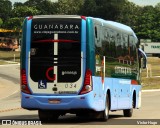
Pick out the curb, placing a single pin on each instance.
(12, 109)
(3, 65)
(152, 90)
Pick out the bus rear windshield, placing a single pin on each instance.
(55, 44)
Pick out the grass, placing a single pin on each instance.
(152, 82)
(9, 56)
(3, 62)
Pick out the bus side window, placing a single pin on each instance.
(96, 31)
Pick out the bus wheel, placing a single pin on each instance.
(128, 112)
(105, 113)
(47, 116)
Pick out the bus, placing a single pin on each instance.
(80, 65)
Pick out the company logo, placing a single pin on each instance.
(153, 46)
(56, 26)
(69, 72)
(124, 81)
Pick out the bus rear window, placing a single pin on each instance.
(56, 43)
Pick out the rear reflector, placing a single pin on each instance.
(87, 80)
(24, 84)
(30, 17)
(134, 82)
(23, 77)
(87, 87)
(83, 17)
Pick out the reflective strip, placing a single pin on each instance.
(55, 53)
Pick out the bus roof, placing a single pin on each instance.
(56, 16)
(115, 25)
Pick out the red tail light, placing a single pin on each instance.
(87, 87)
(134, 82)
(24, 84)
(30, 17)
(83, 17)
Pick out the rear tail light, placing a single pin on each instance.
(30, 17)
(134, 82)
(87, 87)
(24, 84)
(83, 17)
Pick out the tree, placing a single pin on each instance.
(45, 7)
(1, 22)
(147, 27)
(128, 14)
(14, 23)
(17, 4)
(109, 9)
(5, 9)
(158, 6)
(71, 7)
(89, 8)
(24, 11)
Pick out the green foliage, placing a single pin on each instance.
(1, 22)
(144, 21)
(45, 7)
(24, 11)
(5, 9)
(17, 4)
(147, 26)
(158, 6)
(89, 8)
(14, 23)
(70, 7)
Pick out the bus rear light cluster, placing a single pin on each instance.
(83, 17)
(134, 82)
(87, 87)
(30, 18)
(24, 84)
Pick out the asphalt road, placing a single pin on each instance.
(10, 107)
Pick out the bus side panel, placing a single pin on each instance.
(28, 43)
(90, 52)
(83, 48)
(122, 90)
(99, 95)
(23, 46)
(109, 86)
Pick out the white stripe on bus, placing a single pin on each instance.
(55, 53)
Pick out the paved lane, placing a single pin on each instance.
(10, 108)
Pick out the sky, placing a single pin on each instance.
(139, 2)
(145, 2)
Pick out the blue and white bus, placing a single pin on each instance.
(81, 65)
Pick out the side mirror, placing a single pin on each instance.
(143, 58)
(144, 63)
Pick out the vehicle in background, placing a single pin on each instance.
(8, 44)
(151, 49)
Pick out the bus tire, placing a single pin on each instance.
(128, 112)
(47, 116)
(105, 113)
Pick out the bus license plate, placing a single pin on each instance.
(54, 101)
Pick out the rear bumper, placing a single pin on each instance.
(86, 101)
